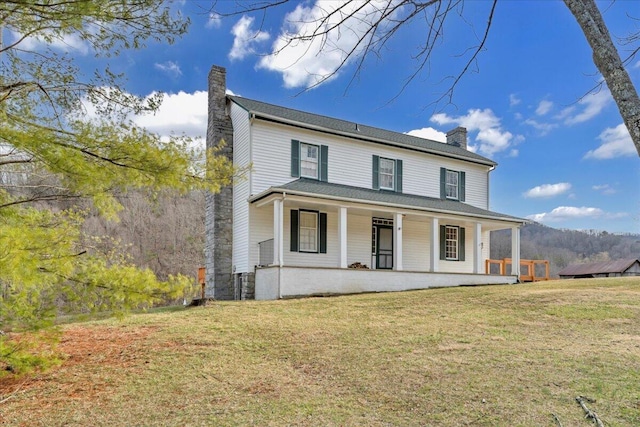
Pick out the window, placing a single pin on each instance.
(387, 174)
(387, 167)
(452, 184)
(308, 231)
(451, 243)
(308, 160)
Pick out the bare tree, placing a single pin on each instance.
(382, 19)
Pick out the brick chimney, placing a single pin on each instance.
(457, 137)
(219, 207)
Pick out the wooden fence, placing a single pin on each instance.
(528, 268)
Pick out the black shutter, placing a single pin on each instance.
(398, 176)
(324, 163)
(443, 183)
(295, 158)
(323, 232)
(443, 236)
(461, 244)
(376, 162)
(461, 186)
(294, 230)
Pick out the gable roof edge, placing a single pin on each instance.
(304, 125)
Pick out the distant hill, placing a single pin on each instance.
(565, 247)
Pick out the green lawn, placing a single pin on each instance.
(491, 356)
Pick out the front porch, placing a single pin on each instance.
(303, 242)
(276, 282)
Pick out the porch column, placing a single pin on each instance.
(435, 246)
(477, 251)
(342, 234)
(278, 231)
(515, 251)
(397, 242)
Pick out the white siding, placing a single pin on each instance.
(465, 266)
(350, 163)
(261, 230)
(486, 248)
(330, 259)
(415, 245)
(241, 158)
(359, 239)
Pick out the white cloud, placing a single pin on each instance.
(429, 133)
(490, 135)
(544, 107)
(547, 190)
(305, 60)
(171, 68)
(180, 113)
(514, 100)
(604, 189)
(65, 43)
(542, 128)
(563, 213)
(514, 152)
(214, 21)
(637, 65)
(588, 107)
(616, 142)
(245, 38)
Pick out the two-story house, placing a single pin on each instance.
(323, 195)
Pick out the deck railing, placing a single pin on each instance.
(528, 268)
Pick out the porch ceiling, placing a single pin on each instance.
(366, 201)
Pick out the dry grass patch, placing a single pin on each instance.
(504, 355)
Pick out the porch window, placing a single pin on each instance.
(308, 231)
(452, 243)
(309, 160)
(452, 184)
(387, 174)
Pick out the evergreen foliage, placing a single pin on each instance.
(64, 137)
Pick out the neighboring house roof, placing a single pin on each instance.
(617, 266)
(314, 188)
(355, 130)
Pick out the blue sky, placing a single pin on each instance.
(564, 157)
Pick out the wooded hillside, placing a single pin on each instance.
(565, 247)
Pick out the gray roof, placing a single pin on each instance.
(359, 131)
(604, 267)
(305, 186)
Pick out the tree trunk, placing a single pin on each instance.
(607, 59)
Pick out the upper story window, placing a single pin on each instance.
(309, 160)
(452, 184)
(387, 174)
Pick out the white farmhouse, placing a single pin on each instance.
(324, 195)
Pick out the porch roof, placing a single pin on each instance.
(340, 192)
